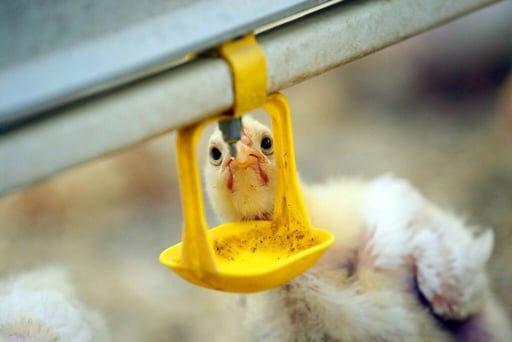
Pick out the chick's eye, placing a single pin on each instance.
(215, 155)
(266, 145)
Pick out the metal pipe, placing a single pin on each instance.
(202, 88)
(231, 133)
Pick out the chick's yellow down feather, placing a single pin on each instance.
(401, 269)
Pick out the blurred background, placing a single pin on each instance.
(435, 109)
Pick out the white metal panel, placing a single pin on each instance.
(56, 51)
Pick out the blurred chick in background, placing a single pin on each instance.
(401, 269)
(42, 306)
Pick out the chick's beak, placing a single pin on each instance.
(246, 156)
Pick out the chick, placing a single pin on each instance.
(42, 306)
(401, 269)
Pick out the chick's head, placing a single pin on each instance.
(242, 188)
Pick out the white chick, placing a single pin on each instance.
(399, 270)
(42, 306)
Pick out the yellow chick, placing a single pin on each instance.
(401, 269)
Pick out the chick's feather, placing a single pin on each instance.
(43, 306)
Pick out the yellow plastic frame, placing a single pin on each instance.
(246, 256)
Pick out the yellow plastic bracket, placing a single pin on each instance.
(249, 71)
(245, 256)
